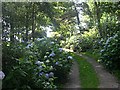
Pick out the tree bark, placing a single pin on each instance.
(77, 15)
(12, 33)
(26, 18)
(98, 16)
(33, 21)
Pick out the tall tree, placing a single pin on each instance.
(98, 16)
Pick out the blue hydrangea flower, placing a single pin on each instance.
(52, 54)
(56, 63)
(47, 75)
(2, 75)
(40, 67)
(41, 73)
(60, 49)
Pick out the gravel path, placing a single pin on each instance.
(73, 81)
(107, 80)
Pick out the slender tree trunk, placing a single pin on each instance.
(77, 15)
(33, 21)
(97, 4)
(26, 25)
(106, 26)
(12, 33)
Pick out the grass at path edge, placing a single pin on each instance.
(88, 76)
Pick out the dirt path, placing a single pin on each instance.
(106, 79)
(73, 81)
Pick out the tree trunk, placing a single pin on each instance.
(98, 16)
(12, 33)
(77, 15)
(33, 21)
(26, 18)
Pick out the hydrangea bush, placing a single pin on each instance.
(110, 54)
(40, 65)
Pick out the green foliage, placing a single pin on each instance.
(110, 7)
(109, 25)
(88, 40)
(110, 55)
(37, 65)
(24, 22)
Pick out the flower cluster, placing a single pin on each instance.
(52, 54)
(29, 45)
(41, 63)
(70, 57)
(60, 49)
(2, 75)
(49, 75)
(110, 52)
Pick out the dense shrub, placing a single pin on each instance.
(72, 42)
(90, 39)
(36, 65)
(110, 54)
(83, 42)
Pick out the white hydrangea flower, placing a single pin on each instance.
(39, 63)
(2, 75)
(108, 40)
(70, 57)
(51, 74)
(29, 45)
(39, 39)
(45, 57)
(52, 42)
(101, 50)
(47, 52)
(51, 67)
(47, 61)
(115, 35)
